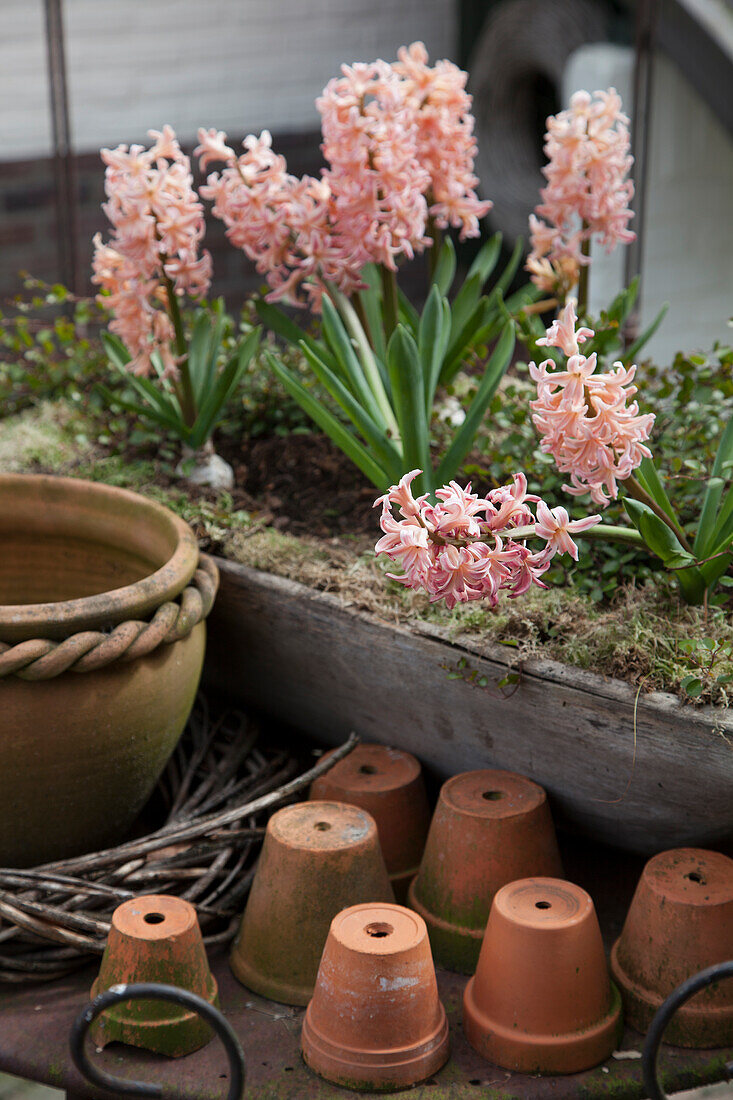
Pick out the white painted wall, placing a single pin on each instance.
(688, 237)
(25, 122)
(239, 65)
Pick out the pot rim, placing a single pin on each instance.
(545, 1053)
(57, 619)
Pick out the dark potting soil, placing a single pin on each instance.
(304, 485)
(298, 483)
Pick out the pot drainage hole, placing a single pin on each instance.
(153, 918)
(542, 905)
(695, 876)
(368, 769)
(492, 796)
(379, 929)
(322, 826)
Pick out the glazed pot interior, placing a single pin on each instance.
(65, 542)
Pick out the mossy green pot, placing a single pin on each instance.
(155, 938)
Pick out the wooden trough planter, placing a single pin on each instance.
(307, 659)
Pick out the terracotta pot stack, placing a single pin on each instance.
(321, 929)
(489, 828)
(317, 859)
(388, 784)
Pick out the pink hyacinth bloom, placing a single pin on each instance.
(157, 228)
(376, 179)
(456, 513)
(461, 574)
(446, 146)
(212, 146)
(166, 146)
(588, 192)
(508, 505)
(399, 147)
(563, 333)
(401, 495)
(556, 526)
(406, 543)
(586, 418)
(448, 552)
(284, 224)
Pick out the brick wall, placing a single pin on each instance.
(28, 220)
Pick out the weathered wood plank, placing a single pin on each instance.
(304, 657)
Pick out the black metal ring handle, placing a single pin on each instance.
(153, 991)
(665, 1013)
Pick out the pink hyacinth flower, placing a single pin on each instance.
(157, 228)
(447, 552)
(588, 192)
(399, 148)
(556, 527)
(563, 334)
(586, 418)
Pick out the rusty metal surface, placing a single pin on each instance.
(34, 1027)
(35, 1024)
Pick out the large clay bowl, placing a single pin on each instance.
(80, 752)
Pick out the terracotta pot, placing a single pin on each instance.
(680, 922)
(388, 784)
(317, 858)
(375, 1021)
(155, 939)
(541, 1000)
(80, 752)
(489, 828)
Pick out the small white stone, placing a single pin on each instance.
(451, 411)
(205, 467)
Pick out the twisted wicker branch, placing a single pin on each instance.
(42, 659)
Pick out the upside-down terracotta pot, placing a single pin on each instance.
(680, 922)
(317, 858)
(388, 784)
(88, 566)
(541, 1000)
(376, 1021)
(489, 828)
(155, 938)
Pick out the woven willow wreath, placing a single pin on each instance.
(89, 650)
(215, 790)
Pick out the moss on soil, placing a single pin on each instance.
(637, 638)
(49, 435)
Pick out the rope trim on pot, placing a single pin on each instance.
(89, 650)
